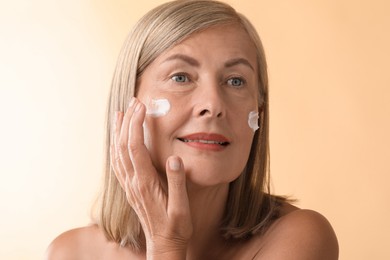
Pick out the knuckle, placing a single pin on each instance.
(122, 152)
(177, 213)
(132, 146)
(134, 149)
(176, 184)
(122, 147)
(117, 161)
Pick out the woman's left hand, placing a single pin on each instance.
(164, 215)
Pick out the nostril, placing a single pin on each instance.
(208, 112)
(203, 112)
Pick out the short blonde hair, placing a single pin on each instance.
(250, 207)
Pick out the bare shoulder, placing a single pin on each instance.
(299, 234)
(84, 243)
(73, 243)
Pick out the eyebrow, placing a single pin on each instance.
(195, 63)
(184, 58)
(234, 62)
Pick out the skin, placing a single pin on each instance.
(212, 98)
(210, 80)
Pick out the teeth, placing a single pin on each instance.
(202, 141)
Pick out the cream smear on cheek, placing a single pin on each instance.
(253, 120)
(154, 108)
(158, 107)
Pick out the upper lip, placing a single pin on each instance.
(206, 137)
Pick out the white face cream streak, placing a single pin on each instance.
(253, 120)
(158, 107)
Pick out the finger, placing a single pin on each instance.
(178, 205)
(116, 126)
(123, 140)
(129, 193)
(139, 154)
(116, 166)
(114, 148)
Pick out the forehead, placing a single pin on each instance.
(224, 41)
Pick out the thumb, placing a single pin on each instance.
(177, 189)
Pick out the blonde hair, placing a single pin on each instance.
(250, 207)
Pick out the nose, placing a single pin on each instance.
(210, 102)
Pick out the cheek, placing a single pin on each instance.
(157, 110)
(159, 135)
(253, 120)
(154, 141)
(245, 114)
(158, 107)
(244, 122)
(244, 133)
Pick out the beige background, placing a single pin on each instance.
(330, 112)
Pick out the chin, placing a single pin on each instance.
(208, 174)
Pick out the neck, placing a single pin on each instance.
(207, 209)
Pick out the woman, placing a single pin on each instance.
(187, 150)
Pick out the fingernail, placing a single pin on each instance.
(131, 102)
(137, 107)
(174, 164)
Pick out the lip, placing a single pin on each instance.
(206, 141)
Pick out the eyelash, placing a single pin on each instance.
(187, 80)
(242, 82)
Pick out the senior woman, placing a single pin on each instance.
(188, 151)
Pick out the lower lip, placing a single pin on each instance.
(203, 146)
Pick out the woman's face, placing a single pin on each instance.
(211, 83)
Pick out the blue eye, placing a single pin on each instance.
(236, 82)
(180, 78)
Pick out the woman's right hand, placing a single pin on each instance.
(164, 215)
